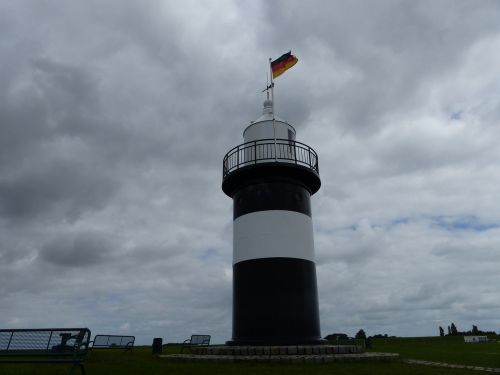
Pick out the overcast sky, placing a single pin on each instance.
(115, 117)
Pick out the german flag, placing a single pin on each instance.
(282, 64)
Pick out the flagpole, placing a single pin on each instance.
(272, 100)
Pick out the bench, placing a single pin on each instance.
(196, 340)
(45, 345)
(113, 342)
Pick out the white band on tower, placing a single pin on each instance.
(273, 234)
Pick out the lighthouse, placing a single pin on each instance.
(271, 178)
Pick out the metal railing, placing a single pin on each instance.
(269, 150)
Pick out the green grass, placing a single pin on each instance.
(142, 362)
(442, 349)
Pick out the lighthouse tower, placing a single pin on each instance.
(271, 178)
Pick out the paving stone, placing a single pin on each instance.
(450, 365)
(298, 359)
(277, 358)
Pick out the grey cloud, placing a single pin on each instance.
(114, 119)
(69, 188)
(472, 248)
(396, 50)
(79, 250)
(49, 159)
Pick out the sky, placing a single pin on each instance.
(115, 117)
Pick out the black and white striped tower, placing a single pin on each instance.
(271, 178)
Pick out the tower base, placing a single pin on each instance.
(287, 341)
(279, 307)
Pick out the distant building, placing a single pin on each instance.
(475, 338)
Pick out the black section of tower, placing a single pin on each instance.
(275, 300)
(271, 195)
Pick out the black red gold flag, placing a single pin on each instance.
(283, 63)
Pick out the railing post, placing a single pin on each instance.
(238, 157)
(278, 150)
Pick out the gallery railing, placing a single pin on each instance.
(267, 151)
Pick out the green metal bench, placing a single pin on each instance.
(45, 345)
(113, 342)
(196, 340)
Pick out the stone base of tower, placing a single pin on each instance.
(282, 354)
(284, 341)
(275, 302)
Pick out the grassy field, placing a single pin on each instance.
(142, 362)
(442, 349)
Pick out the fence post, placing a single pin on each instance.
(10, 339)
(48, 343)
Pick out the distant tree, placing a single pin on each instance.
(368, 342)
(475, 331)
(449, 331)
(441, 331)
(360, 335)
(453, 328)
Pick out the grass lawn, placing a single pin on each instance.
(442, 349)
(142, 362)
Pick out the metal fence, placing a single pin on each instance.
(269, 150)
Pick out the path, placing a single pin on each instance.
(443, 364)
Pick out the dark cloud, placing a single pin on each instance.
(66, 188)
(115, 117)
(80, 250)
